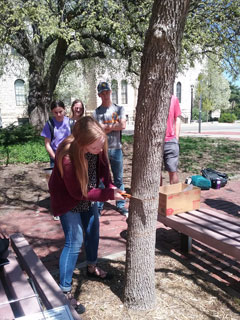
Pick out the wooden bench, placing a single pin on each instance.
(26, 286)
(215, 229)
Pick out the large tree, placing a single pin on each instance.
(159, 63)
(51, 33)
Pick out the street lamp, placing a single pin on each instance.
(192, 86)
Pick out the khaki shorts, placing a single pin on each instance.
(171, 155)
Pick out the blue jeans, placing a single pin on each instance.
(74, 225)
(116, 162)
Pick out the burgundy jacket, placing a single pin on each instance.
(65, 192)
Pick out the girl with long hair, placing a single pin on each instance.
(77, 109)
(56, 129)
(81, 161)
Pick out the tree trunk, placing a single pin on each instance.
(39, 99)
(158, 68)
(42, 83)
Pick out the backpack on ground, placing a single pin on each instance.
(52, 125)
(201, 182)
(215, 176)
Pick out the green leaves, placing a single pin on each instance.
(213, 88)
(12, 139)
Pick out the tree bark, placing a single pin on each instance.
(42, 84)
(158, 68)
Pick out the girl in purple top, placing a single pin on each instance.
(61, 129)
(81, 161)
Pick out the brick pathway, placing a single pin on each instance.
(46, 236)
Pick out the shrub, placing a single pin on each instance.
(227, 117)
(13, 135)
(195, 115)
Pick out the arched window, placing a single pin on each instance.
(20, 92)
(179, 91)
(114, 86)
(124, 93)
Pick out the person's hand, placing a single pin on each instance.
(107, 128)
(118, 194)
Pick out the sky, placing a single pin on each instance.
(237, 82)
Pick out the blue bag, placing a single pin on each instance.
(201, 182)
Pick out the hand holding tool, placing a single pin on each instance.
(129, 196)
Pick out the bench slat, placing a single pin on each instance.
(6, 312)
(50, 293)
(216, 225)
(202, 234)
(223, 218)
(20, 288)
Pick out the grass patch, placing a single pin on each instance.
(25, 152)
(195, 153)
(127, 139)
(198, 153)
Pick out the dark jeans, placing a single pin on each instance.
(116, 162)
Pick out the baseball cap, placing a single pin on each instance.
(103, 86)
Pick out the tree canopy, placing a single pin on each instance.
(213, 28)
(51, 33)
(213, 88)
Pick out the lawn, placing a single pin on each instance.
(195, 153)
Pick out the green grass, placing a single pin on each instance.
(219, 154)
(27, 152)
(127, 139)
(195, 153)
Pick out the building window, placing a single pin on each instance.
(20, 92)
(114, 86)
(124, 93)
(179, 91)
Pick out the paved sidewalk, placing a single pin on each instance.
(46, 235)
(213, 134)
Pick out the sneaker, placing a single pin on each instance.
(123, 211)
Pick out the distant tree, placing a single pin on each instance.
(213, 88)
(72, 84)
(235, 100)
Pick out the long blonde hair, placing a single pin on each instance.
(73, 104)
(85, 131)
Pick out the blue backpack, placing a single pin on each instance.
(201, 182)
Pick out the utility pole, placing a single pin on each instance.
(200, 113)
(192, 86)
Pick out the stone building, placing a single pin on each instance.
(13, 93)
